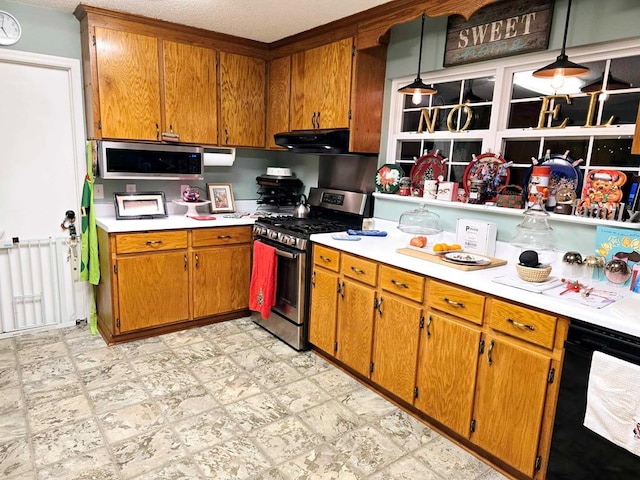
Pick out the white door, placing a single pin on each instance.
(42, 167)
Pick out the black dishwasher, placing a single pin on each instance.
(577, 452)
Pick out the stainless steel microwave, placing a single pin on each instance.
(133, 160)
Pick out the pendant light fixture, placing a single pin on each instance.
(562, 67)
(418, 88)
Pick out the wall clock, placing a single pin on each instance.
(10, 30)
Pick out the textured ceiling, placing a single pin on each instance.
(262, 20)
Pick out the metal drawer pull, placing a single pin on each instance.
(399, 284)
(222, 237)
(154, 242)
(357, 270)
(325, 259)
(523, 326)
(453, 303)
(490, 353)
(197, 261)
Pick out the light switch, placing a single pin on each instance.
(98, 191)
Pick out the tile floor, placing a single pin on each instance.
(225, 401)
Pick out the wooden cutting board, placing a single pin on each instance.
(495, 262)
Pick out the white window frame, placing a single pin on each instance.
(493, 138)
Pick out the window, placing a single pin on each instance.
(505, 103)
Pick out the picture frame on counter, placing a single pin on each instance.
(140, 205)
(221, 196)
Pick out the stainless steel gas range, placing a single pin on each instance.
(331, 211)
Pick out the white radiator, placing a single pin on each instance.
(37, 285)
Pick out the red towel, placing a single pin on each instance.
(264, 275)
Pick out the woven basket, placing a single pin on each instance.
(533, 274)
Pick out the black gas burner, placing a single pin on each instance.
(305, 226)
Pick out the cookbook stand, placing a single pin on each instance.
(192, 207)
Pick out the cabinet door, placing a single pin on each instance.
(395, 351)
(324, 303)
(128, 84)
(335, 95)
(190, 92)
(153, 289)
(355, 325)
(510, 397)
(447, 366)
(242, 100)
(278, 98)
(221, 278)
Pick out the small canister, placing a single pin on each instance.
(477, 191)
(539, 185)
(404, 187)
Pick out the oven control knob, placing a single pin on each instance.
(273, 235)
(291, 240)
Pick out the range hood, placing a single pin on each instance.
(315, 141)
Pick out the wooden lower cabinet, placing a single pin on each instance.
(446, 377)
(355, 325)
(324, 307)
(395, 352)
(145, 282)
(215, 293)
(510, 400)
(158, 281)
(480, 366)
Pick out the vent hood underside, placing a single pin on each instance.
(315, 141)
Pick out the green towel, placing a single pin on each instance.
(90, 262)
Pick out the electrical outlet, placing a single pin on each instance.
(182, 189)
(131, 187)
(98, 191)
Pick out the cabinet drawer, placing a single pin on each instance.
(326, 258)
(405, 284)
(530, 325)
(205, 237)
(151, 241)
(363, 270)
(456, 301)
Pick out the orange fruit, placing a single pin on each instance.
(455, 246)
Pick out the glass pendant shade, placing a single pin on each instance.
(562, 67)
(418, 88)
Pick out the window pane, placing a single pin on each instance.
(521, 151)
(577, 147)
(410, 121)
(613, 152)
(524, 115)
(480, 117)
(463, 152)
(624, 107)
(409, 150)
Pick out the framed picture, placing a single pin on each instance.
(140, 205)
(221, 196)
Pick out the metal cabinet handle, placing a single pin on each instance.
(523, 326)
(186, 263)
(341, 289)
(453, 303)
(313, 120)
(157, 132)
(226, 136)
(378, 305)
(197, 261)
(222, 237)
(399, 284)
(313, 279)
(318, 120)
(489, 352)
(325, 259)
(357, 270)
(154, 242)
(429, 326)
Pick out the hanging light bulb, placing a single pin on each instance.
(417, 88)
(557, 81)
(416, 98)
(562, 66)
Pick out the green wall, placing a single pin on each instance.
(592, 21)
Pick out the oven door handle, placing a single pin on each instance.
(282, 253)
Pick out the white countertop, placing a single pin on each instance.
(172, 222)
(383, 249)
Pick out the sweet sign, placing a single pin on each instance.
(498, 30)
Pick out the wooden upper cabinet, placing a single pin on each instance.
(190, 92)
(242, 100)
(128, 84)
(278, 98)
(321, 86)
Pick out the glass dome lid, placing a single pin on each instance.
(420, 222)
(534, 232)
